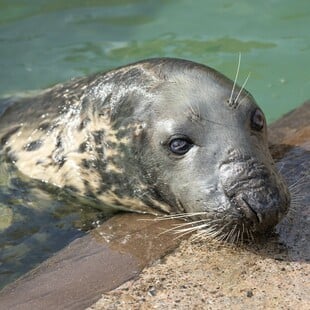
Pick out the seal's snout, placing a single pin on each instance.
(254, 193)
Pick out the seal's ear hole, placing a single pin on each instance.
(180, 145)
(257, 120)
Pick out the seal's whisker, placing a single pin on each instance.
(297, 198)
(180, 215)
(289, 218)
(223, 227)
(242, 87)
(228, 234)
(231, 233)
(227, 238)
(280, 167)
(242, 233)
(212, 232)
(247, 233)
(238, 235)
(182, 234)
(203, 235)
(191, 228)
(295, 187)
(155, 219)
(165, 231)
(217, 235)
(250, 234)
(231, 101)
(220, 237)
(297, 192)
(179, 228)
(208, 231)
(198, 236)
(294, 206)
(211, 235)
(189, 223)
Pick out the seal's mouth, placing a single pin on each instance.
(245, 208)
(258, 210)
(251, 216)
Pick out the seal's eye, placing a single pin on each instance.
(180, 146)
(258, 120)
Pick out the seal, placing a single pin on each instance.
(160, 136)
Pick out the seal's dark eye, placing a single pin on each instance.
(258, 120)
(180, 146)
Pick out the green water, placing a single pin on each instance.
(45, 42)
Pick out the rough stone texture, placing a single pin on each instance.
(202, 276)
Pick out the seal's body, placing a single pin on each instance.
(158, 136)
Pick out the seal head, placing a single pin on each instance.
(157, 136)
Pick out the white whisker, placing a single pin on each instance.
(207, 232)
(251, 234)
(193, 223)
(242, 87)
(242, 233)
(183, 234)
(238, 236)
(232, 234)
(199, 235)
(180, 215)
(231, 101)
(178, 228)
(297, 199)
(192, 228)
(295, 187)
